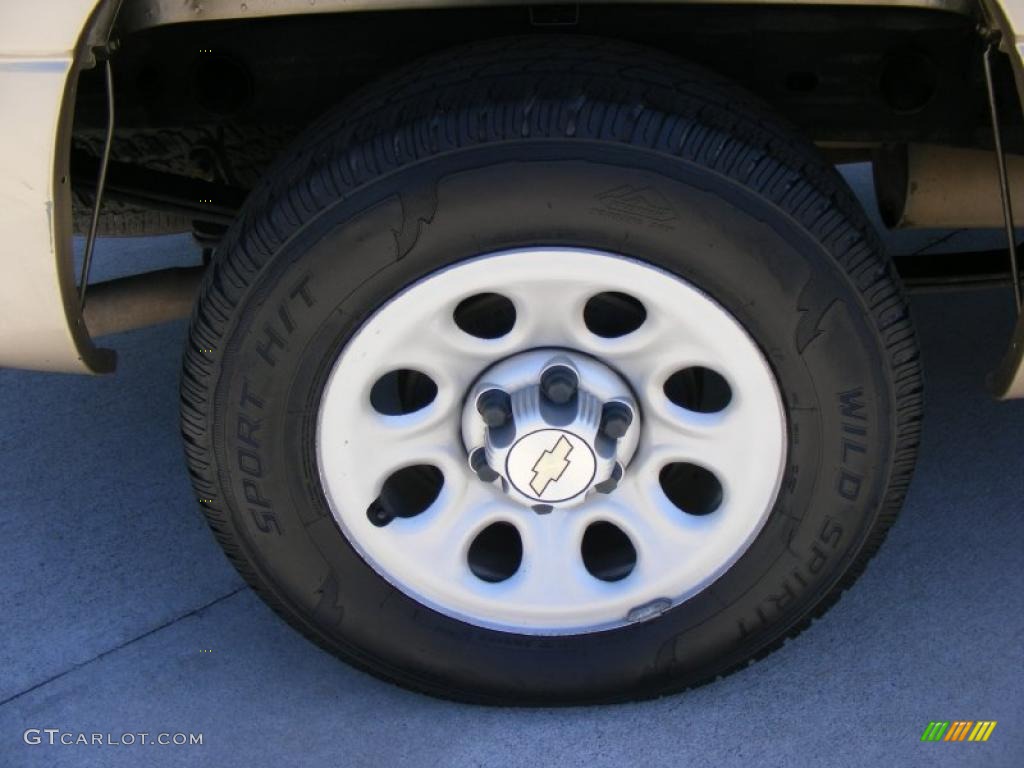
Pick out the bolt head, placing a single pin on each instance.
(615, 420)
(609, 485)
(559, 384)
(494, 407)
(478, 462)
(487, 474)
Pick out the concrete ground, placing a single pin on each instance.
(119, 613)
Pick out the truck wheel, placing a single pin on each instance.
(551, 370)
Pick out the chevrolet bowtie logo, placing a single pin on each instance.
(551, 465)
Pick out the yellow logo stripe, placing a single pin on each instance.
(982, 730)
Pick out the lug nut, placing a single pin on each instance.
(495, 407)
(609, 485)
(559, 383)
(478, 462)
(615, 419)
(379, 514)
(542, 509)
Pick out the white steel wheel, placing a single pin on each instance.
(479, 488)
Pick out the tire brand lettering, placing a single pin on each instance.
(265, 348)
(276, 333)
(849, 484)
(851, 404)
(301, 291)
(247, 429)
(249, 461)
(852, 447)
(822, 549)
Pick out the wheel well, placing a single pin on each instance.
(215, 102)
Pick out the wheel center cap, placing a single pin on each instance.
(551, 426)
(551, 466)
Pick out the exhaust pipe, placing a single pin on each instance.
(927, 186)
(140, 300)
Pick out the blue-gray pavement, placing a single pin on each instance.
(118, 612)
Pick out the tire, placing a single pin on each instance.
(543, 142)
